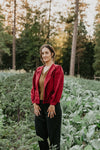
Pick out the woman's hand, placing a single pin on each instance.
(51, 111)
(36, 109)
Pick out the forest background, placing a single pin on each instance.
(39, 22)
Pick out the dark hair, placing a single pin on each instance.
(50, 48)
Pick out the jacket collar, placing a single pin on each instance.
(51, 69)
(39, 71)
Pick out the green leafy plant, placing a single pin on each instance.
(80, 104)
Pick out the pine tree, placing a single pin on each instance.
(31, 38)
(87, 60)
(14, 39)
(4, 38)
(74, 41)
(37, 30)
(82, 33)
(96, 64)
(81, 45)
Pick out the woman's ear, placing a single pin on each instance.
(52, 54)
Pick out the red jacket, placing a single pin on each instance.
(53, 85)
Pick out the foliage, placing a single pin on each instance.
(80, 104)
(85, 46)
(33, 35)
(96, 64)
(81, 120)
(29, 40)
(5, 38)
(86, 63)
(18, 121)
(33, 25)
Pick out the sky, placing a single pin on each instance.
(90, 11)
(91, 15)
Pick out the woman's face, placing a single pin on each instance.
(46, 55)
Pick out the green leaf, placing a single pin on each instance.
(76, 147)
(91, 130)
(96, 144)
(88, 147)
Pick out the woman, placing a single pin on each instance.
(45, 95)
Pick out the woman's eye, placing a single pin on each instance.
(45, 53)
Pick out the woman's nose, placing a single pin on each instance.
(44, 55)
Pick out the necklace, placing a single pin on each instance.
(46, 68)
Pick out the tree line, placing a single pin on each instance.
(36, 25)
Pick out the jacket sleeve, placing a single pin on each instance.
(58, 86)
(33, 88)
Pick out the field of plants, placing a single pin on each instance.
(80, 104)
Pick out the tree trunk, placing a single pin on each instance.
(78, 62)
(48, 35)
(74, 41)
(14, 39)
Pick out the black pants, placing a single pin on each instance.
(48, 127)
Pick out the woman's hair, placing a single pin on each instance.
(51, 49)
